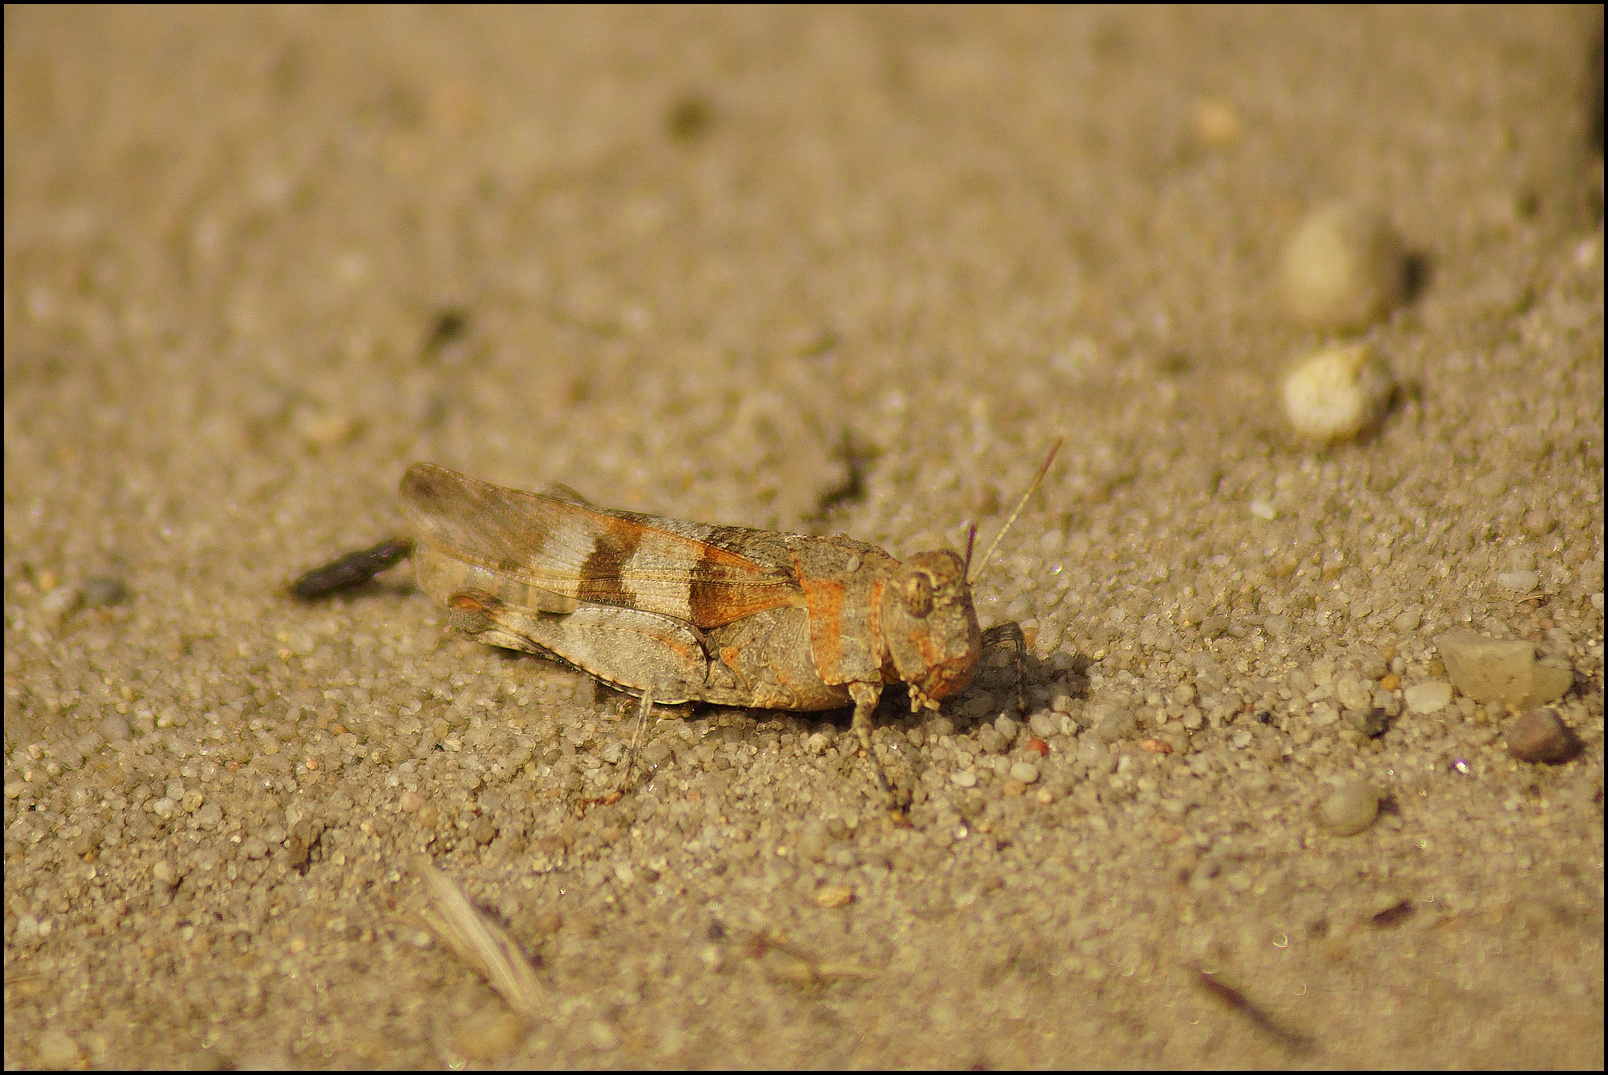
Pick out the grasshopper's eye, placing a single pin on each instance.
(918, 594)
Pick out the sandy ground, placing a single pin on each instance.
(712, 264)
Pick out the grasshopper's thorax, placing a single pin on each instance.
(930, 627)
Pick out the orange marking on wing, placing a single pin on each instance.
(824, 598)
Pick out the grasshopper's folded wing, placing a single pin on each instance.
(563, 546)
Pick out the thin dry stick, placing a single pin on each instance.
(479, 941)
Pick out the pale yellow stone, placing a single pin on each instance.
(1344, 268)
(1337, 393)
(1491, 671)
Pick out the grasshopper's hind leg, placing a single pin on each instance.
(643, 712)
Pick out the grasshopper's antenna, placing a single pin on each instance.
(973, 576)
(971, 539)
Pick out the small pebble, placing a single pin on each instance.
(834, 896)
(1351, 808)
(411, 802)
(1217, 124)
(60, 601)
(1113, 723)
(989, 740)
(1518, 582)
(1490, 671)
(103, 590)
(1337, 393)
(964, 778)
(1044, 724)
(319, 431)
(977, 706)
(1352, 692)
(1371, 723)
(1344, 267)
(1539, 736)
(1431, 697)
(490, 1034)
(1024, 772)
(1538, 523)
(57, 1050)
(114, 728)
(604, 1037)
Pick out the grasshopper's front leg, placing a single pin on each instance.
(866, 696)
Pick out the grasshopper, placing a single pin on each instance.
(676, 612)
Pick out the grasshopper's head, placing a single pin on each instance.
(930, 627)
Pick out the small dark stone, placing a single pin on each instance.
(1539, 736)
(451, 325)
(302, 844)
(1372, 722)
(1394, 915)
(103, 590)
(689, 118)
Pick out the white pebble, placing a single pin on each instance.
(58, 602)
(1489, 670)
(964, 778)
(1352, 692)
(1351, 808)
(1344, 267)
(1024, 772)
(1337, 393)
(1429, 697)
(1518, 582)
(1044, 724)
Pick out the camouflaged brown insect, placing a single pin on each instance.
(675, 611)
